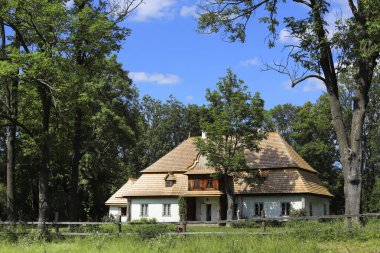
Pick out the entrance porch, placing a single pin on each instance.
(205, 208)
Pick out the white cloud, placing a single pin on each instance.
(287, 85)
(312, 84)
(250, 62)
(154, 9)
(189, 97)
(188, 11)
(287, 38)
(156, 78)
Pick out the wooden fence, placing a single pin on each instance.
(181, 226)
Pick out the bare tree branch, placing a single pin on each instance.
(299, 80)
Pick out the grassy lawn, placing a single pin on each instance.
(204, 243)
(303, 237)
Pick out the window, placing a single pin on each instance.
(144, 210)
(210, 183)
(166, 210)
(123, 211)
(324, 209)
(310, 209)
(285, 208)
(197, 184)
(259, 209)
(169, 183)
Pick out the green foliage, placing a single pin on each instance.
(182, 208)
(150, 231)
(145, 220)
(374, 198)
(233, 124)
(298, 213)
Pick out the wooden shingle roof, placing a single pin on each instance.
(152, 184)
(280, 181)
(177, 160)
(117, 197)
(276, 153)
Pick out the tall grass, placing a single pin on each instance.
(205, 243)
(304, 236)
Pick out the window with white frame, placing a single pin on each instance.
(144, 210)
(285, 208)
(259, 209)
(166, 210)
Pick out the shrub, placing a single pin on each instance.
(149, 231)
(298, 213)
(246, 224)
(145, 220)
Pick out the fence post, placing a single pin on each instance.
(119, 224)
(56, 225)
(350, 224)
(264, 227)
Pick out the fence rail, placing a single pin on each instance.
(181, 226)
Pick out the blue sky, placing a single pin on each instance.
(165, 55)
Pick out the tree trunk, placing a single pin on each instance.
(11, 101)
(45, 157)
(230, 198)
(76, 156)
(12, 104)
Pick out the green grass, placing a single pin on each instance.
(304, 237)
(209, 243)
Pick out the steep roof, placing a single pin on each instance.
(276, 153)
(177, 160)
(117, 197)
(281, 181)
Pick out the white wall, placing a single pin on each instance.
(272, 204)
(115, 211)
(155, 208)
(317, 205)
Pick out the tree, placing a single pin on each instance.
(234, 125)
(64, 51)
(321, 55)
(9, 75)
(94, 33)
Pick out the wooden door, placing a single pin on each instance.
(208, 212)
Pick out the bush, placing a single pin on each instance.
(145, 220)
(246, 224)
(149, 231)
(298, 213)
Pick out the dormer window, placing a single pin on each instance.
(170, 180)
(169, 183)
